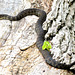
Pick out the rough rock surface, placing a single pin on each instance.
(21, 34)
(61, 23)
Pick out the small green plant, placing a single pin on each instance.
(46, 45)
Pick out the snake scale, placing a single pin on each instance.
(40, 35)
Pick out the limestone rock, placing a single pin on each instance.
(21, 35)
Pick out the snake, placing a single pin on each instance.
(40, 35)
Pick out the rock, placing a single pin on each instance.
(21, 35)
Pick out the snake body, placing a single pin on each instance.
(40, 33)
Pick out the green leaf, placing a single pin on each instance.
(46, 45)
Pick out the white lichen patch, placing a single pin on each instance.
(62, 28)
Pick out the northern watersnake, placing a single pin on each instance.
(40, 35)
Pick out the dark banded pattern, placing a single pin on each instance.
(40, 33)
